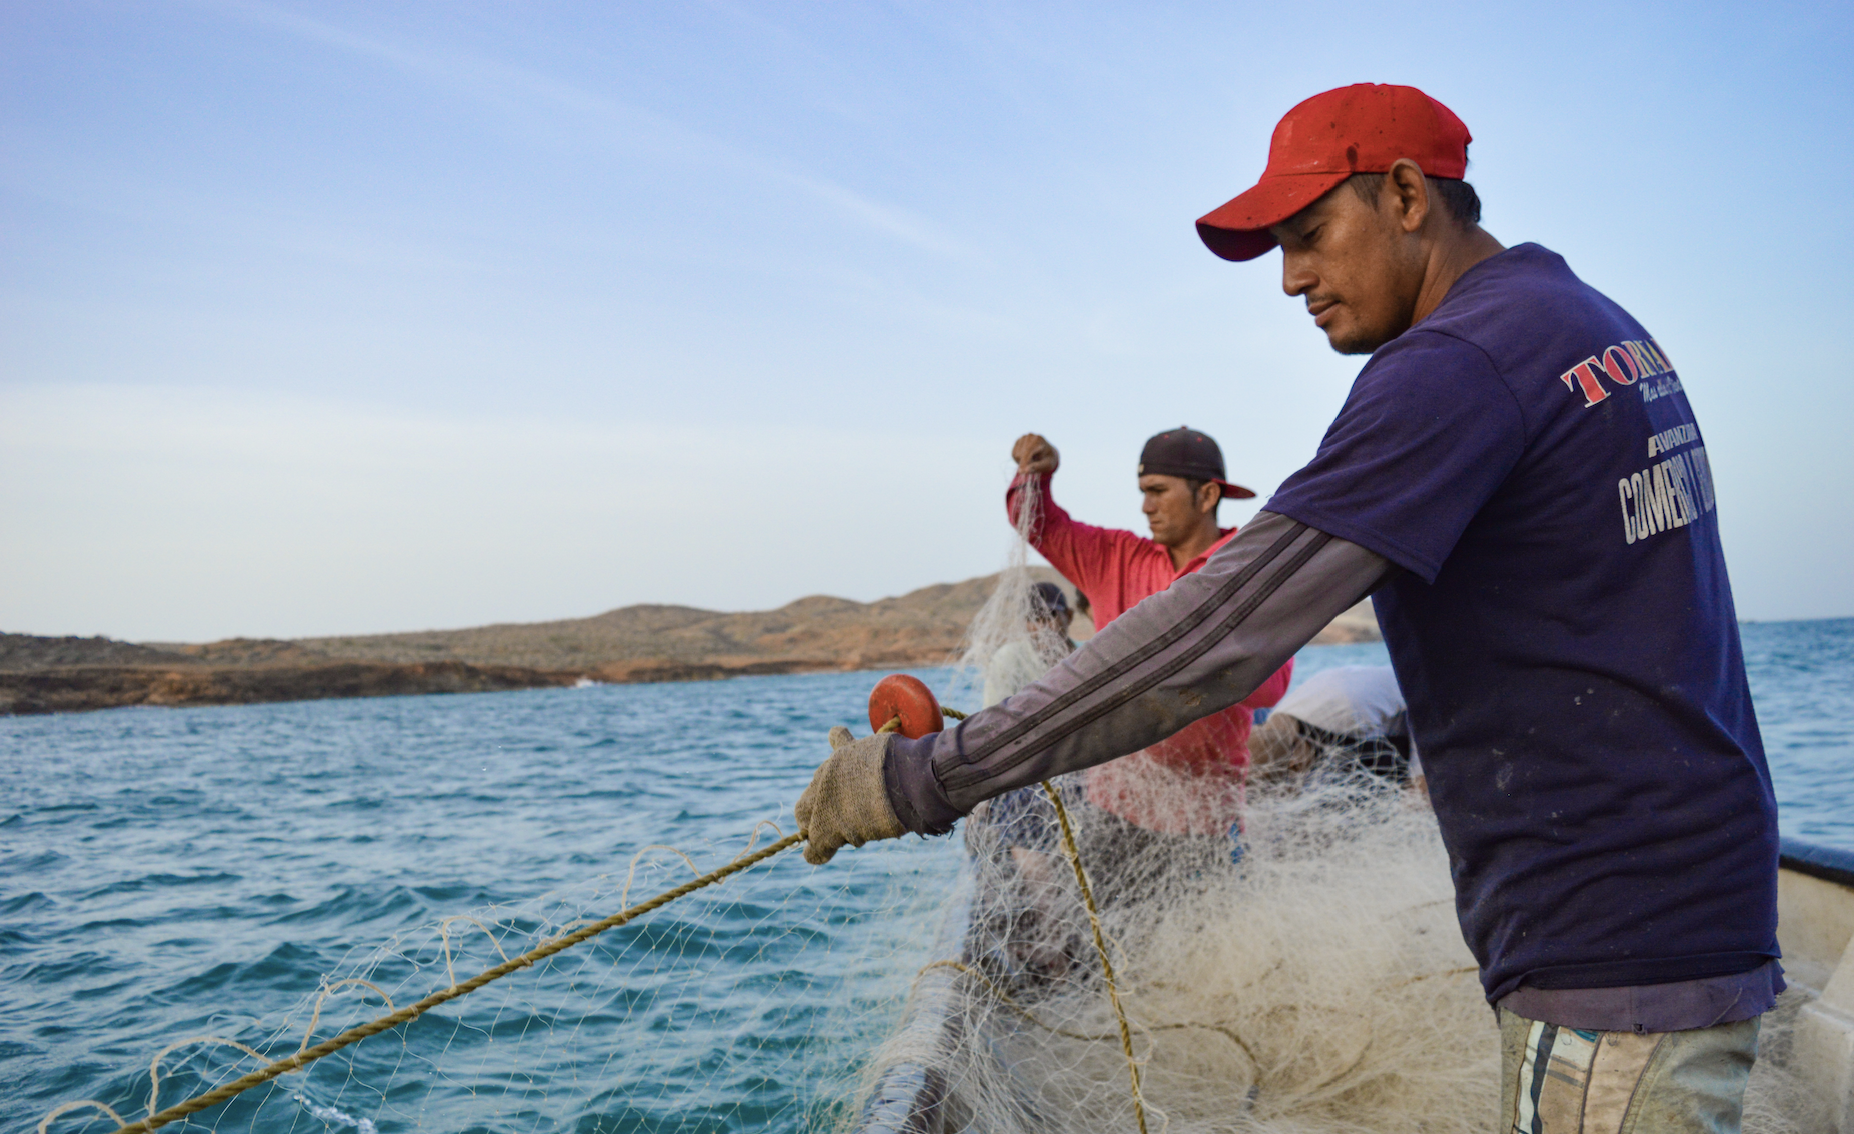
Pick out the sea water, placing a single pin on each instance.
(166, 874)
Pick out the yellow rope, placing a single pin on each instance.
(1100, 946)
(413, 1011)
(1010, 1002)
(1094, 922)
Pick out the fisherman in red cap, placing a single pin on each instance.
(1518, 481)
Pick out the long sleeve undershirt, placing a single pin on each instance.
(1194, 649)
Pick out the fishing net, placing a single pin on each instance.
(596, 1039)
(1301, 975)
(1015, 637)
(1318, 984)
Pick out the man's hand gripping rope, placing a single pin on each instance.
(847, 805)
(847, 802)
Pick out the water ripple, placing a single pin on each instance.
(168, 873)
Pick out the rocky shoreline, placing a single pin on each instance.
(76, 688)
(68, 689)
(630, 645)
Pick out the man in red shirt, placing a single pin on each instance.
(1189, 783)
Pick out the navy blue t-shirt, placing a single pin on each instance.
(1563, 632)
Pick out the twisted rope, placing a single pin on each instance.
(413, 1011)
(1100, 946)
(1010, 1002)
(1100, 942)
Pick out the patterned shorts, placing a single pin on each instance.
(1561, 1080)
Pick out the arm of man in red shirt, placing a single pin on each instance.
(1097, 560)
(1103, 563)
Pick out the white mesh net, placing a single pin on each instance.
(1016, 636)
(1307, 977)
(732, 1008)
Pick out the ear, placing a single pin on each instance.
(1409, 193)
(1208, 495)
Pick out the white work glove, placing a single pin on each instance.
(847, 802)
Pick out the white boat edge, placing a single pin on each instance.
(1815, 926)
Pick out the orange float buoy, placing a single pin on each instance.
(899, 695)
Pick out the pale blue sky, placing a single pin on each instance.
(354, 317)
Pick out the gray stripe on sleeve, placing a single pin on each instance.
(1194, 649)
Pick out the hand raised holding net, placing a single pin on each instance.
(1034, 454)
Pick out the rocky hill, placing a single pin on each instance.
(28, 651)
(1359, 624)
(630, 644)
(923, 627)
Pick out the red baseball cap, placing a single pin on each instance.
(1362, 128)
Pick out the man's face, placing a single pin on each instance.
(1359, 265)
(1171, 509)
(1056, 622)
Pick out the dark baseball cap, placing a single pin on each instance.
(1047, 598)
(1362, 128)
(1186, 452)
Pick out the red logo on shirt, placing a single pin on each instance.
(1623, 365)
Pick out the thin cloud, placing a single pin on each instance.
(508, 87)
(902, 224)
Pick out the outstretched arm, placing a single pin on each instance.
(1198, 647)
(1087, 556)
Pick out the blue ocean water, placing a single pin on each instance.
(169, 874)
(176, 873)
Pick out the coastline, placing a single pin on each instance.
(630, 645)
(72, 689)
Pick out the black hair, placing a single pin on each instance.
(1193, 483)
(1458, 197)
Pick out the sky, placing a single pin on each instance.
(355, 317)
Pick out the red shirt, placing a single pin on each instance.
(1191, 782)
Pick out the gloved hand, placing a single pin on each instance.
(847, 802)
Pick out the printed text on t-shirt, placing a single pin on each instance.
(1670, 494)
(1622, 364)
(1668, 440)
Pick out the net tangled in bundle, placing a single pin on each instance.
(1305, 975)
(1318, 984)
(1011, 641)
